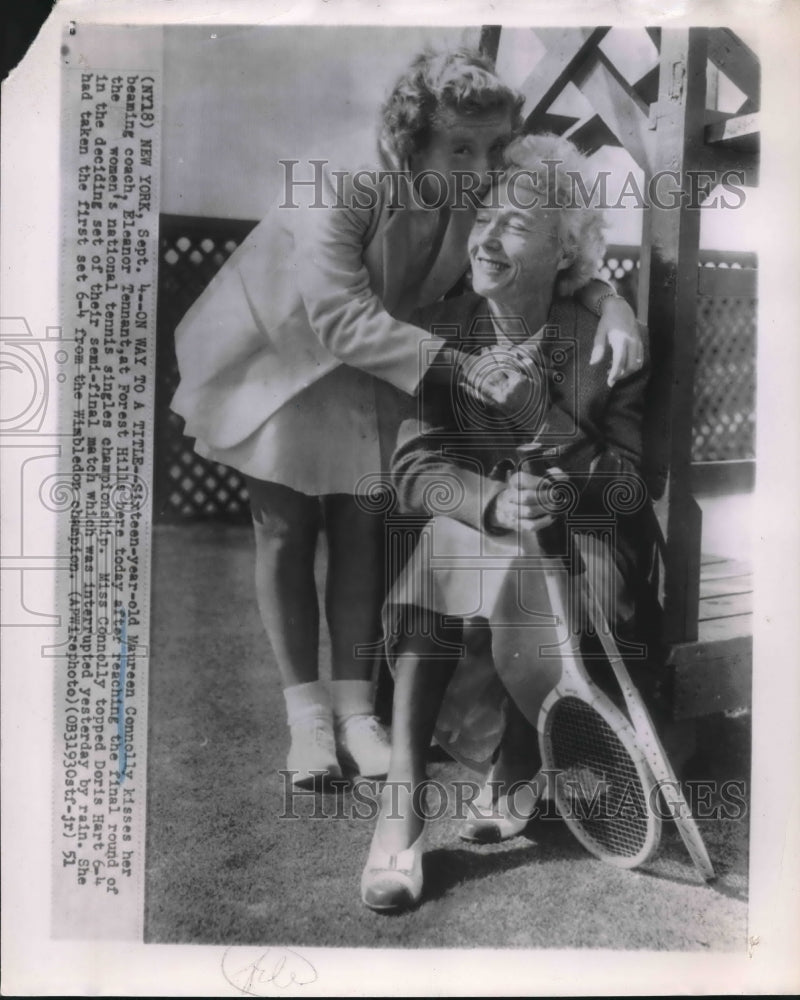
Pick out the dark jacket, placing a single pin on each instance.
(454, 456)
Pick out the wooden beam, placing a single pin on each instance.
(591, 134)
(719, 568)
(749, 107)
(737, 61)
(647, 86)
(558, 124)
(725, 586)
(724, 606)
(723, 478)
(727, 282)
(565, 48)
(620, 107)
(489, 43)
(741, 132)
(712, 87)
(716, 630)
(668, 304)
(729, 161)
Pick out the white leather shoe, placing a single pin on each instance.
(312, 754)
(501, 819)
(363, 745)
(392, 882)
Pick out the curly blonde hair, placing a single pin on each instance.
(463, 81)
(551, 163)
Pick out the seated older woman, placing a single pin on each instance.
(487, 478)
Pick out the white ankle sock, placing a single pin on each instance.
(352, 698)
(307, 701)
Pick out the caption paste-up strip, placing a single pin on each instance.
(110, 163)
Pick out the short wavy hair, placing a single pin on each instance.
(552, 163)
(463, 81)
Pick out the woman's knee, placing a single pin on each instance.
(426, 634)
(283, 519)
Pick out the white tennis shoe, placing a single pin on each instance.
(364, 746)
(312, 754)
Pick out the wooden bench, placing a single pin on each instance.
(713, 673)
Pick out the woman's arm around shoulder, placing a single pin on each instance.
(346, 314)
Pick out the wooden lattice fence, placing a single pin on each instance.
(193, 249)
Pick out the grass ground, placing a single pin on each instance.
(223, 868)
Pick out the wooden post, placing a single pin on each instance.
(668, 304)
(490, 40)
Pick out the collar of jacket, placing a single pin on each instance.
(401, 180)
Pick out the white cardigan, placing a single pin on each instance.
(308, 290)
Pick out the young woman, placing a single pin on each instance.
(297, 362)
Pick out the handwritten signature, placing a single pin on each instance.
(257, 972)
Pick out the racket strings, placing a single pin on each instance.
(597, 780)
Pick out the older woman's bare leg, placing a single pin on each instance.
(512, 788)
(518, 758)
(392, 876)
(425, 660)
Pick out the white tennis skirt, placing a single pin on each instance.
(336, 436)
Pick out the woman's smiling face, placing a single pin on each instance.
(461, 144)
(514, 251)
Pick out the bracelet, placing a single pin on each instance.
(610, 294)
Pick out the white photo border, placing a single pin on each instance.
(32, 962)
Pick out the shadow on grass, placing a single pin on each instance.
(446, 868)
(548, 840)
(719, 885)
(673, 864)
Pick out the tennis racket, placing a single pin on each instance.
(646, 736)
(603, 787)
